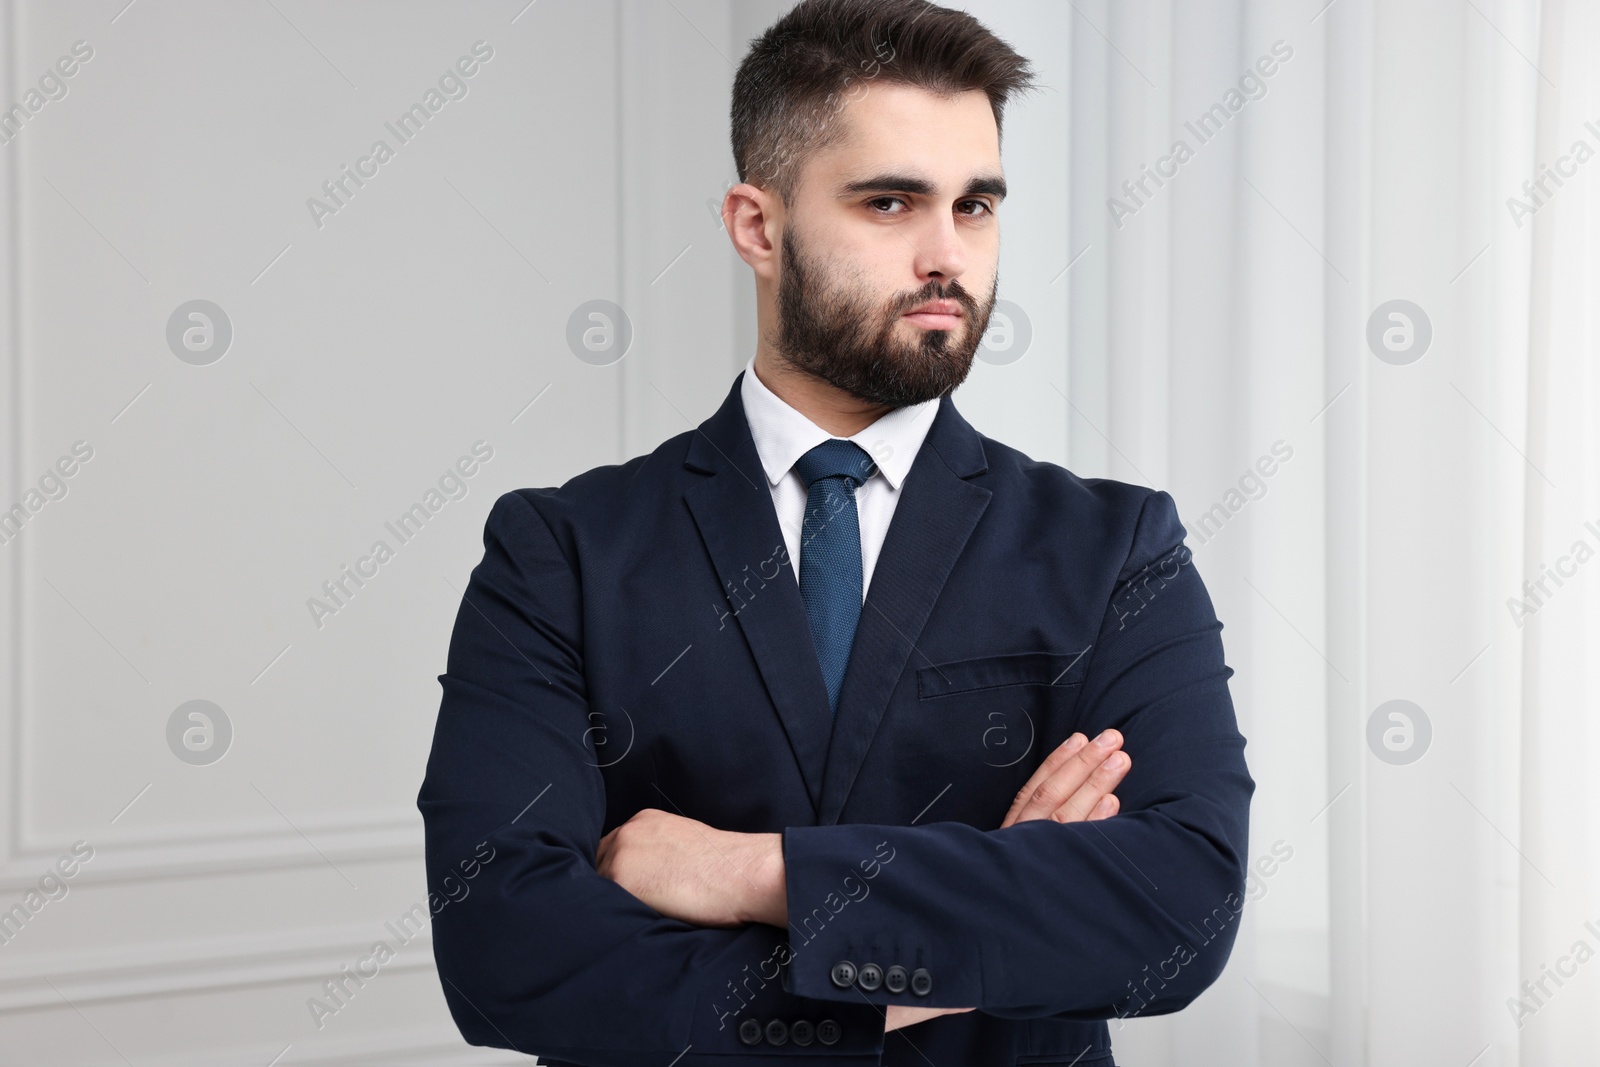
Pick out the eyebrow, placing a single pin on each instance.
(991, 184)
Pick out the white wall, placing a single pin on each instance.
(367, 356)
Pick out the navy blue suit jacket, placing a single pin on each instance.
(636, 638)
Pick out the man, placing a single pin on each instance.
(777, 739)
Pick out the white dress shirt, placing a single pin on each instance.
(782, 435)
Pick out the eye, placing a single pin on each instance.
(983, 206)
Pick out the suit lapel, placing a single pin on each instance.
(739, 525)
(935, 515)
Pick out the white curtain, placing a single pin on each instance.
(1365, 512)
(1560, 685)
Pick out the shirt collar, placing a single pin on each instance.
(782, 434)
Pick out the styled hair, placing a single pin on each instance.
(799, 74)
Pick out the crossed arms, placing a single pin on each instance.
(688, 870)
(1086, 918)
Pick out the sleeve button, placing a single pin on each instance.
(921, 981)
(802, 1031)
(869, 977)
(777, 1032)
(750, 1032)
(828, 1032)
(894, 979)
(844, 973)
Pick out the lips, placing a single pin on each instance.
(936, 315)
(937, 307)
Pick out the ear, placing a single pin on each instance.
(753, 218)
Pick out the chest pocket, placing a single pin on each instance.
(993, 672)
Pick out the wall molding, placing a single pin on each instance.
(10, 427)
(433, 1047)
(135, 863)
(32, 845)
(202, 965)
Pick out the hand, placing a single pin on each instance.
(1074, 782)
(899, 1015)
(688, 870)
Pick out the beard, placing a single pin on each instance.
(846, 338)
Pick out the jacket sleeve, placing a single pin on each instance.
(535, 950)
(1135, 914)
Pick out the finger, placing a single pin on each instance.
(1063, 752)
(1064, 780)
(1105, 809)
(902, 1015)
(1056, 778)
(1105, 778)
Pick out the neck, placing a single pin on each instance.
(838, 412)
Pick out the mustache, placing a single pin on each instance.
(955, 292)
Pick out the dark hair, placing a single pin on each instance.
(793, 82)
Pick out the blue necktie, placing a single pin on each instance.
(830, 552)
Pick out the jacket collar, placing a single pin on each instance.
(935, 515)
(782, 434)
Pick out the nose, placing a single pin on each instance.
(939, 250)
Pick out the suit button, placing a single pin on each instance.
(777, 1032)
(921, 981)
(894, 979)
(828, 1032)
(869, 977)
(750, 1032)
(802, 1031)
(844, 972)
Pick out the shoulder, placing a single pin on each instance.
(1138, 520)
(601, 497)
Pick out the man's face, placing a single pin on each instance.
(899, 214)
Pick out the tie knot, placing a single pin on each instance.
(833, 459)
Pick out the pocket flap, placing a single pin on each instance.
(990, 672)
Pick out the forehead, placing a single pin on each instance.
(903, 128)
